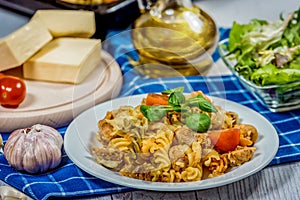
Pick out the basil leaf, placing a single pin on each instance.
(198, 122)
(144, 110)
(176, 98)
(153, 113)
(178, 89)
(202, 104)
(207, 106)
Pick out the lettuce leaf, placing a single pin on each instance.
(255, 47)
(270, 74)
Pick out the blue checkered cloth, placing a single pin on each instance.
(70, 181)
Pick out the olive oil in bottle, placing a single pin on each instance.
(174, 38)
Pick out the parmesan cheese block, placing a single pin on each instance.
(21, 44)
(67, 60)
(68, 23)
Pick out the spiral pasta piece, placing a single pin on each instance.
(192, 174)
(162, 159)
(123, 144)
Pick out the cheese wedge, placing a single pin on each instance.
(21, 44)
(67, 23)
(66, 60)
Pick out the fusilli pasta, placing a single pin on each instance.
(167, 150)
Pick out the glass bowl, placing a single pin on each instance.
(277, 98)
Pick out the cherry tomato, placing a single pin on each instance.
(12, 91)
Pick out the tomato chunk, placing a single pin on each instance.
(225, 140)
(157, 99)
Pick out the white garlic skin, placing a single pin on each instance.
(35, 149)
(9, 193)
(1, 142)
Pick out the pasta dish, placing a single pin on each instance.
(173, 137)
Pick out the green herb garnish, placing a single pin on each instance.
(199, 122)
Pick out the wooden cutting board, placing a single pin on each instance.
(57, 104)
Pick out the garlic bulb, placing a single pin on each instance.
(35, 149)
(1, 144)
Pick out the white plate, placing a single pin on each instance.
(81, 134)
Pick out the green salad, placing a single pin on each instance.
(267, 53)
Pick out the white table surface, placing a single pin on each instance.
(275, 182)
